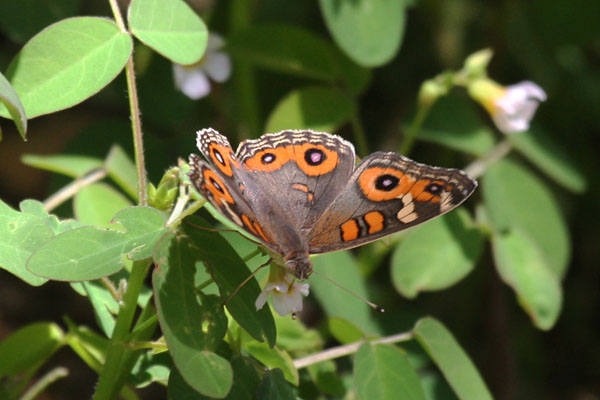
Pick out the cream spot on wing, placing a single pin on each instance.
(407, 213)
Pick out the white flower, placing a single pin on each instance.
(516, 108)
(511, 107)
(193, 81)
(286, 292)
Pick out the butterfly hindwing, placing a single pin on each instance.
(387, 193)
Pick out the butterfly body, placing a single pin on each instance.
(300, 193)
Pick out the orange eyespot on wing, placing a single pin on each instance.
(223, 158)
(216, 187)
(315, 159)
(268, 160)
(382, 184)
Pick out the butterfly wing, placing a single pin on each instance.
(222, 183)
(302, 170)
(387, 193)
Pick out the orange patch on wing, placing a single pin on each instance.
(368, 183)
(260, 232)
(374, 220)
(223, 158)
(249, 225)
(350, 230)
(260, 160)
(327, 164)
(216, 187)
(300, 187)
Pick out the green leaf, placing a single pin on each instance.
(192, 330)
(523, 268)
(122, 170)
(342, 268)
(369, 31)
(96, 204)
(170, 27)
(550, 158)
(292, 335)
(70, 165)
(271, 357)
(343, 330)
(436, 255)
(12, 103)
(245, 379)
(104, 305)
(319, 108)
(453, 362)
(90, 253)
(327, 378)
(516, 199)
(150, 368)
(382, 371)
(274, 387)
(29, 347)
(66, 63)
(22, 234)
(295, 51)
(229, 271)
(37, 209)
(467, 133)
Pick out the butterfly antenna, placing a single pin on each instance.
(369, 303)
(237, 289)
(227, 230)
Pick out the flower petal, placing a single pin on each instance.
(218, 66)
(261, 300)
(192, 82)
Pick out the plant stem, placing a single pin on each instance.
(72, 188)
(134, 109)
(479, 166)
(340, 351)
(49, 378)
(409, 139)
(113, 371)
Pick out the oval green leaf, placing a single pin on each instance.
(13, 104)
(550, 158)
(228, 270)
(28, 348)
(69, 165)
(271, 357)
(318, 108)
(368, 31)
(343, 269)
(22, 234)
(516, 199)
(383, 372)
(96, 205)
(88, 253)
(451, 359)
(274, 387)
(66, 63)
(295, 51)
(523, 268)
(436, 255)
(192, 330)
(170, 27)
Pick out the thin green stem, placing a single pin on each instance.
(48, 379)
(359, 135)
(252, 255)
(188, 211)
(72, 188)
(340, 351)
(134, 110)
(479, 166)
(204, 284)
(114, 370)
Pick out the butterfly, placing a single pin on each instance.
(300, 192)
